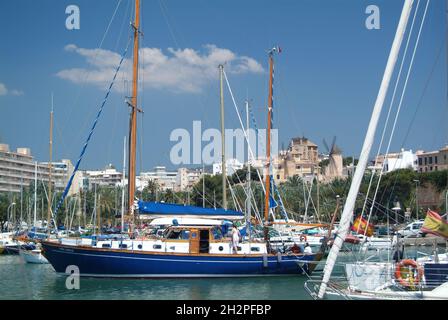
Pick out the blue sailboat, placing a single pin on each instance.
(187, 250)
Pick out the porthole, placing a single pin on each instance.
(140, 246)
(221, 248)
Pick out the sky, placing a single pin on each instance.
(327, 76)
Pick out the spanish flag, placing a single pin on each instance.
(360, 225)
(434, 224)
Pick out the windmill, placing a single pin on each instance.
(334, 168)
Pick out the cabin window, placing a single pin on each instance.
(157, 246)
(217, 235)
(123, 246)
(106, 245)
(175, 234)
(185, 234)
(238, 248)
(255, 249)
(193, 235)
(221, 248)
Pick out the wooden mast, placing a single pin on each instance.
(268, 145)
(50, 169)
(133, 118)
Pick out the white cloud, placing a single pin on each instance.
(178, 70)
(5, 91)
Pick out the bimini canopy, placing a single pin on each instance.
(153, 210)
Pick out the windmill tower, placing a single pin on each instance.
(335, 166)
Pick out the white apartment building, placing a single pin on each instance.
(187, 178)
(232, 165)
(17, 171)
(166, 180)
(109, 177)
(405, 159)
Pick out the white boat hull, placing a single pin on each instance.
(33, 256)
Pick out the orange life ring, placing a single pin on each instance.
(302, 238)
(408, 281)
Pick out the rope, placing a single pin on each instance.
(67, 188)
(87, 74)
(242, 126)
(272, 180)
(282, 207)
(251, 198)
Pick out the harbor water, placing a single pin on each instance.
(21, 281)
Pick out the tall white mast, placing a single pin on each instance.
(122, 185)
(203, 185)
(347, 214)
(35, 194)
(249, 197)
(223, 139)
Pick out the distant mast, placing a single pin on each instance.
(133, 118)
(50, 169)
(122, 186)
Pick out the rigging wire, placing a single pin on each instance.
(164, 10)
(401, 102)
(87, 74)
(390, 110)
(92, 129)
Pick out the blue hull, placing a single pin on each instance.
(115, 263)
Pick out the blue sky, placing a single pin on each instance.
(327, 76)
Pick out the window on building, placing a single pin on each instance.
(430, 160)
(435, 168)
(278, 177)
(420, 161)
(426, 161)
(435, 159)
(430, 168)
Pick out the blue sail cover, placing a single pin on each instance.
(169, 209)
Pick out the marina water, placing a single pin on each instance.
(22, 281)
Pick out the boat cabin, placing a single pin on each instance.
(188, 239)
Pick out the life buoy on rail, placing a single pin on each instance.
(302, 238)
(405, 275)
